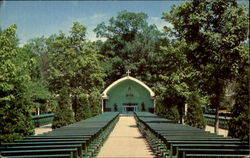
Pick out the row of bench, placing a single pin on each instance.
(168, 138)
(81, 139)
(43, 119)
(223, 121)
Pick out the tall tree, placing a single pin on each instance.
(194, 116)
(215, 29)
(42, 99)
(15, 99)
(63, 112)
(38, 48)
(131, 44)
(176, 86)
(239, 124)
(74, 67)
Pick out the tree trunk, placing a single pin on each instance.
(218, 92)
(75, 104)
(181, 115)
(216, 122)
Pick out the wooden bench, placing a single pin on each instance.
(72, 151)
(168, 138)
(53, 139)
(216, 155)
(81, 139)
(45, 147)
(43, 156)
(183, 152)
(85, 140)
(58, 137)
(175, 147)
(80, 145)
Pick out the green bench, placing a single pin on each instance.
(80, 145)
(45, 147)
(71, 151)
(169, 143)
(216, 155)
(175, 147)
(56, 137)
(54, 140)
(170, 139)
(42, 119)
(42, 143)
(85, 140)
(43, 156)
(197, 139)
(81, 139)
(182, 153)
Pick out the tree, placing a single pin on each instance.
(41, 98)
(63, 113)
(83, 110)
(176, 85)
(194, 115)
(15, 101)
(214, 30)
(125, 26)
(94, 102)
(38, 49)
(131, 45)
(74, 66)
(239, 123)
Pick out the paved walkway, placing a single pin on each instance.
(43, 129)
(221, 131)
(126, 141)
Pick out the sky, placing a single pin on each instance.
(44, 18)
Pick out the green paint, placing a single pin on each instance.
(129, 92)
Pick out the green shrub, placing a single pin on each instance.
(194, 115)
(63, 113)
(239, 124)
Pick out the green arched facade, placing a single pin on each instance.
(127, 95)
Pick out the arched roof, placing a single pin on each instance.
(104, 94)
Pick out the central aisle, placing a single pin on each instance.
(126, 141)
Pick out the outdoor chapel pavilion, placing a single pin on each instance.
(128, 95)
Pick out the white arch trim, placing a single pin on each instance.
(104, 94)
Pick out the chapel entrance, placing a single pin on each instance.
(129, 109)
(128, 95)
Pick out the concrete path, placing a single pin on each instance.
(126, 141)
(221, 131)
(43, 129)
